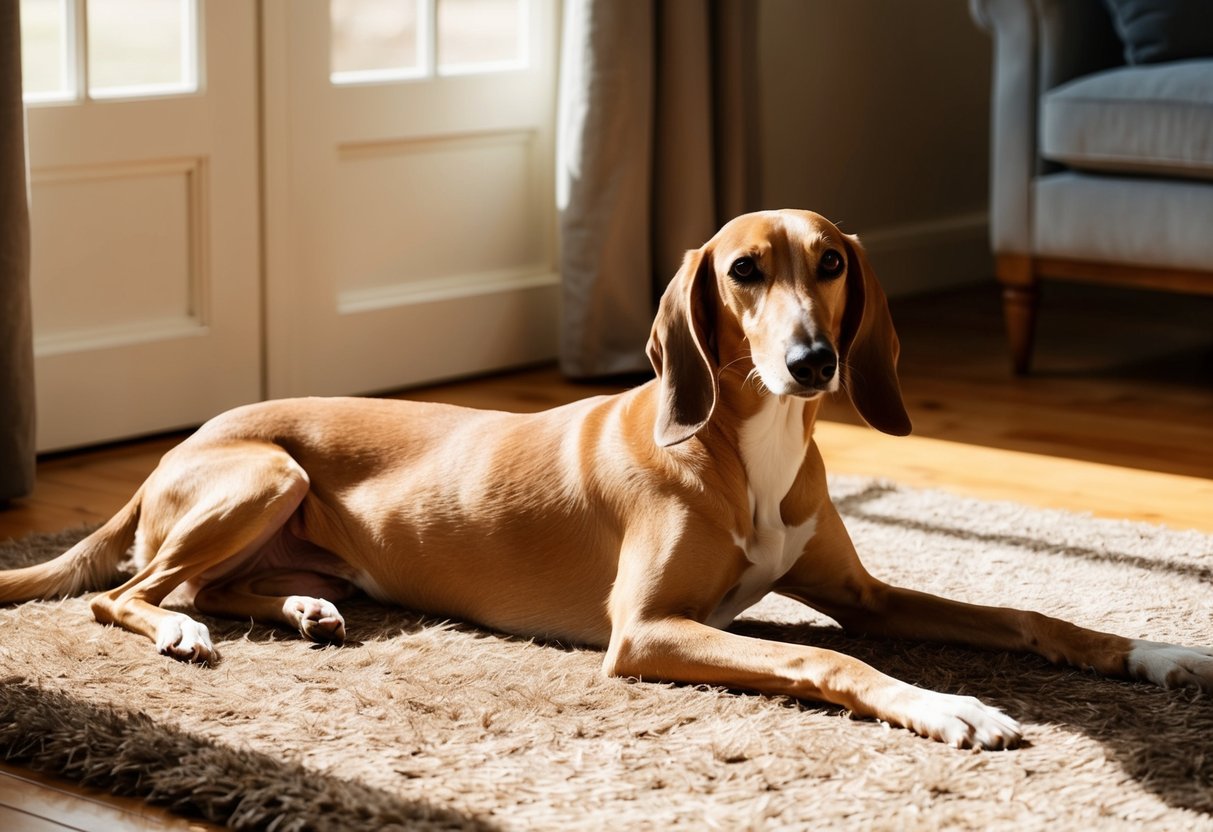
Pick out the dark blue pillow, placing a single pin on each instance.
(1163, 30)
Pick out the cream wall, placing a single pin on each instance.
(876, 114)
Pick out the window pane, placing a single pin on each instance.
(139, 46)
(476, 33)
(44, 49)
(374, 38)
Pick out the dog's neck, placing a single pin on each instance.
(759, 442)
(744, 400)
(772, 444)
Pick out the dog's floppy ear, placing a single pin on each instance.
(682, 353)
(869, 348)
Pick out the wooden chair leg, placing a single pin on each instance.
(1019, 314)
(1020, 293)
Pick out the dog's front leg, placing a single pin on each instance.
(684, 650)
(883, 610)
(670, 581)
(830, 578)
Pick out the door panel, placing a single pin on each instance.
(144, 247)
(411, 221)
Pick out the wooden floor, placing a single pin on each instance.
(1117, 420)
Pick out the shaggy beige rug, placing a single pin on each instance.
(424, 724)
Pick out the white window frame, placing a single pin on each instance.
(76, 62)
(428, 67)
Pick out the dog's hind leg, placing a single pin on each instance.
(292, 598)
(201, 510)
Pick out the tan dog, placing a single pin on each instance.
(641, 523)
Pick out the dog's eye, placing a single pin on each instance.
(745, 270)
(831, 264)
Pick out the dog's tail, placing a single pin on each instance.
(90, 564)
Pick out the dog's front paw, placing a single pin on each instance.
(1171, 665)
(184, 638)
(316, 619)
(960, 721)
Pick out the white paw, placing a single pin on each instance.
(184, 638)
(961, 721)
(316, 619)
(1171, 665)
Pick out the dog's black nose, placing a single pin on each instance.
(812, 365)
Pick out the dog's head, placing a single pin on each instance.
(787, 299)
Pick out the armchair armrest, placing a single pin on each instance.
(1038, 44)
(1013, 107)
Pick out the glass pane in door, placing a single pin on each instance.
(375, 39)
(141, 47)
(480, 35)
(45, 68)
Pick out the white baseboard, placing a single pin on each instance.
(915, 258)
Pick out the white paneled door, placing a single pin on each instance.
(410, 225)
(142, 124)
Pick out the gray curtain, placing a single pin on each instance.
(16, 338)
(656, 148)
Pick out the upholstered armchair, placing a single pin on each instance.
(1101, 147)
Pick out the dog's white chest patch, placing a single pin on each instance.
(773, 445)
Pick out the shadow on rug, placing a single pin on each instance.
(425, 724)
(131, 754)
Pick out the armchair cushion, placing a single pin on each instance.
(1133, 220)
(1163, 30)
(1154, 120)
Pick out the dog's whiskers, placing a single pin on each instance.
(754, 379)
(729, 367)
